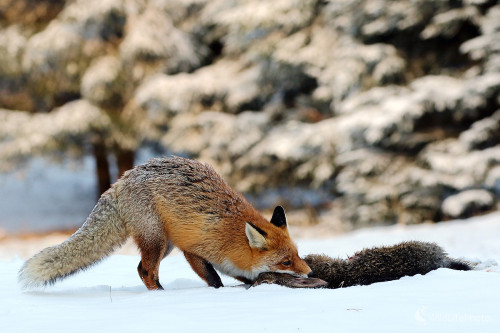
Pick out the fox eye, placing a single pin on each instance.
(286, 263)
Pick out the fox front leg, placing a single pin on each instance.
(204, 269)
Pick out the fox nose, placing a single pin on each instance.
(311, 275)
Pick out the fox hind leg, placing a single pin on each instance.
(204, 269)
(152, 252)
(144, 273)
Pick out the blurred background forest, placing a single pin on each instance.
(348, 113)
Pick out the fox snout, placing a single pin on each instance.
(302, 269)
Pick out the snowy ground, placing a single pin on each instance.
(110, 297)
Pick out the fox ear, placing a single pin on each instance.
(256, 236)
(279, 218)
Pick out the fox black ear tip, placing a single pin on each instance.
(279, 218)
(279, 209)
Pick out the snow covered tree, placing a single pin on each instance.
(70, 71)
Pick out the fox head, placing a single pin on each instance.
(273, 248)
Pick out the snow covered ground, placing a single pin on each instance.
(110, 297)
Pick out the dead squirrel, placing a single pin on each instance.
(368, 266)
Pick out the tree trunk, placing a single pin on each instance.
(102, 165)
(124, 160)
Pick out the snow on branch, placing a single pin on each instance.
(24, 134)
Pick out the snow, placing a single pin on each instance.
(475, 199)
(110, 296)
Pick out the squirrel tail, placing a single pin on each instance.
(458, 265)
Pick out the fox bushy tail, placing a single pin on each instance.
(99, 236)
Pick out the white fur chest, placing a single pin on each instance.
(228, 268)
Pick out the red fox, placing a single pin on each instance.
(169, 202)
